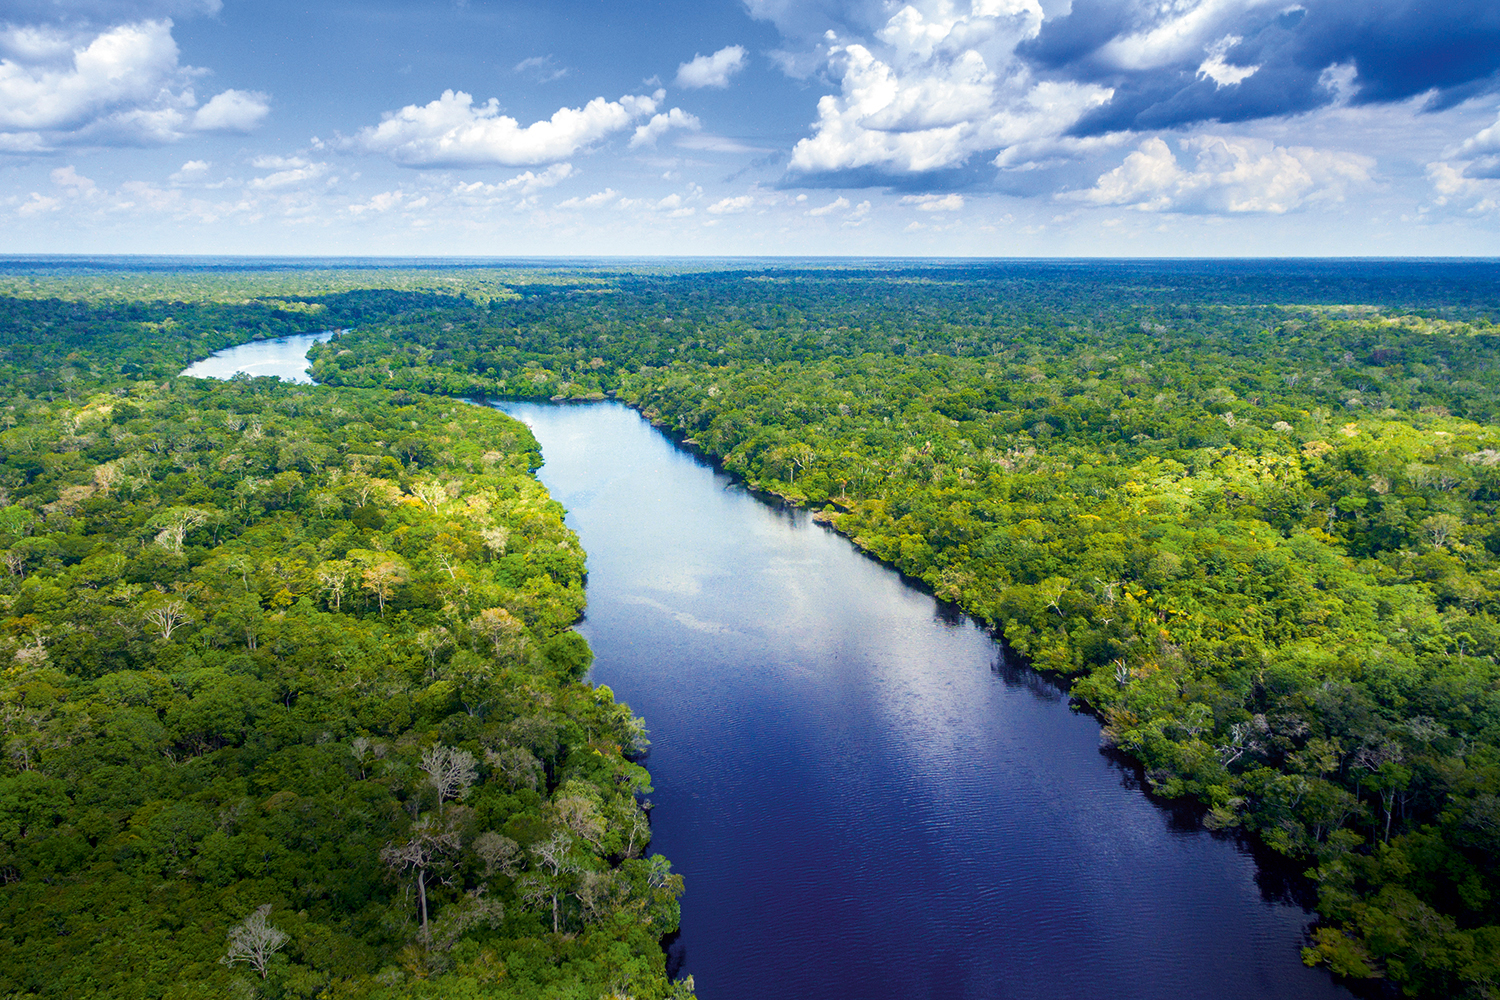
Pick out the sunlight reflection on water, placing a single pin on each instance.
(285, 358)
(865, 799)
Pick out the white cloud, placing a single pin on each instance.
(712, 71)
(596, 200)
(121, 85)
(1221, 72)
(839, 204)
(1481, 194)
(1232, 175)
(383, 202)
(36, 205)
(232, 111)
(647, 134)
(525, 183)
(72, 182)
(1178, 37)
(709, 143)
(192, 170)
(939, 87)
(732, 206)
(541, 68)
(22, 143)
(451, 131)
(1486, 140)
(935, 202)
(125, 66)
(288, 172)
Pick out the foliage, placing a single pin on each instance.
(260, 640)
(1247, 507)
(1261, 539)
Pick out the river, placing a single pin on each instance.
(285, 357)
(866, 800)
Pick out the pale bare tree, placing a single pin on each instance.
(501, 628)
(168, 616)
(254, 942)
(174, 524)
(432, 641)
(580, 814)
(1441, 527)
(516, 765)
(106, 476)
(383, 578)
(430, 493)
(326, 502)
(555, 864)
(499, 854)
(495, 539)
(365, 753)
(333, 576)
(450, 771)
(426, 849)
(638, 830)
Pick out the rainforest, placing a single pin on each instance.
(293, 704)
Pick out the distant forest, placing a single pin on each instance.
(308, 647)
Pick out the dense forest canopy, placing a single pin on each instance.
(292, 706)
(1246, 507)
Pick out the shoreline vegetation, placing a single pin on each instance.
(1248, 509)
(292, 703)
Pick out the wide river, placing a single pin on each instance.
(866, 800)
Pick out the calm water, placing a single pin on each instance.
(865, 801)
(286, 358)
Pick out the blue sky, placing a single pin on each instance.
(972, 127)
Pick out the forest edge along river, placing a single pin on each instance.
(865, 798)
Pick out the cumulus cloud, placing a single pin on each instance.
(926, 87)
(934, 89)
(1231, 175)
(190, 172)
(70, 180)
(732, 206)
(839, 204)
(454, 132)
(659, 125)
(1452, 184)
(232, 111)
(123, 85)
(712, 71)
(36, 205)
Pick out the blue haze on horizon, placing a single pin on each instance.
(746, 127)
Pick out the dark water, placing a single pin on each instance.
(865, 800)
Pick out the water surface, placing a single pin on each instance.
(285, 358)
(865, 800)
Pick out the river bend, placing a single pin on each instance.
(866, 801)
